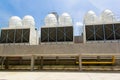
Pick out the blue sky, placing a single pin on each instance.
(40, 8)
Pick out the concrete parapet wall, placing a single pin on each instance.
(60, 49)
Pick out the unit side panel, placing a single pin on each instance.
(99, 32)
(89, 32)
(109, 32)
(3, 38)
(69, 33)
(52, 34)
(26, 35)
(44, 35)
(60, 34)
(11, 36)
(19, 36)
(117, 31)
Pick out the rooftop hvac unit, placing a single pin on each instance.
(20, 35)
(54, 32)
(65, 20)
(15, 21)
(26, 33)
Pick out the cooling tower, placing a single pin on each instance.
(15, 21)
(65, 20)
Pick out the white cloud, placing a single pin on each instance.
(79, 24)
(106, 4)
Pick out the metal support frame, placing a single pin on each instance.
(38, 62)
(6, 63)
(2, 62)
(41, 64)
(57, 59)
(80, 62)
(32, 62)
